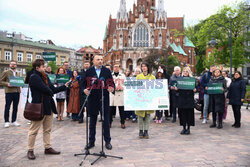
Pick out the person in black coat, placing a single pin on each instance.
(236, 95)
(82, 96)
(185, 104)
(42, 90)
(217, 101)
(95, 76)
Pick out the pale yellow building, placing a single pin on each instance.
(27, 51)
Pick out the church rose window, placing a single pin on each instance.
(141, 38)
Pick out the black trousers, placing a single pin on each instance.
(9, 98)
(159, 114)
(237, 114)
(220, 115)
(106, 128)
(121, 112)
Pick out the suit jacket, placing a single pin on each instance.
(94, 100)
(5, 79)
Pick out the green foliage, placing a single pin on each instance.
(172, 61)
(29, 67)
(218, 26)
(211, 60)
(53, 65)
(156, 57)
(199, 66)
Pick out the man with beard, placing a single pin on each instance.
(12, 94)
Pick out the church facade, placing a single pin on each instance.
(132, 35)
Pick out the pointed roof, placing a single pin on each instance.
(105, 35)
(188, 43)
(181, 50)
(174, 47)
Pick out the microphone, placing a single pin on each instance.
(78, 77)
(94, 79)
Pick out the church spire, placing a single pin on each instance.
(122, 13)
(161, 5)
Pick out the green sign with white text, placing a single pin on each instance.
(49, 56)
(61, 78)
(186, 83)
(52, 77)
(16, 81)
(215, 88)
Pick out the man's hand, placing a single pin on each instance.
(110, 89)
(86, 91)
(9, 85)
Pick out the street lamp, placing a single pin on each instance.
(213, 43)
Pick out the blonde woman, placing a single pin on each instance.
(185, 104)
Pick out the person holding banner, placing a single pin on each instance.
(185, 102)
(42, 90)
(74, 100)
(159, 113)
(144, 116)
(236, 95)
(61, 96)
(12, 94)
(216, 89)
(173, 88)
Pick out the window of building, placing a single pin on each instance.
(29, 57)
(141, 36)
(38, 56)
(7, 55)
(19, 56)
(62, 60)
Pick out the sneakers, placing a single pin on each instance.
(6, 124)
(160, 121)
(204, 121)
(15, 124)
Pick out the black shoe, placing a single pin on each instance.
(141, 134)
(90, 145)
(174, 120)
(187, 132)
(166, 118)
(80, 121)
(233, 125)
(220, 126)
(108, 146)
(237, 126)
(145, 134)
(183, 131)
(213, 125)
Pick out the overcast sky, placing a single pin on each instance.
(75, 23)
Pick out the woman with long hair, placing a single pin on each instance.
(60, 97)
(74, 99)
(236, 95)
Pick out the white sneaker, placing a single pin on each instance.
(6, 124)
(204, 121)
(29, 122)
(15, 124)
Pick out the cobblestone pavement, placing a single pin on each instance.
(204, 147)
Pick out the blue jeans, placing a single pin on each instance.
(9, 98)
(206, 106)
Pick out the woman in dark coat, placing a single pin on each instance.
(217, 101)
(185, 104)
(236, 95)
(74, 99)
(42, 90)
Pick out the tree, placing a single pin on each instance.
(172, 61)
(199, 66)
(53, 65)
(156, 57)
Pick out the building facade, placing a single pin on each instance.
(88, 53)
(24, 51)
(132, 35)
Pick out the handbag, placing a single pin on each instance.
(33, 111)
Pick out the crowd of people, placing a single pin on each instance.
(77, 89)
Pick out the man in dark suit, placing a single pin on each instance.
(82, 96)
(100, 77)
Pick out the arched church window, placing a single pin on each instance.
(141, 36)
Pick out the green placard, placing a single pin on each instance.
(61, 78)
(186, 83)
(173, 83)
(17, 81)
(215, 88)
(52, 77)
(49, 56)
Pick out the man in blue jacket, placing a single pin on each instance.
(204, 82)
